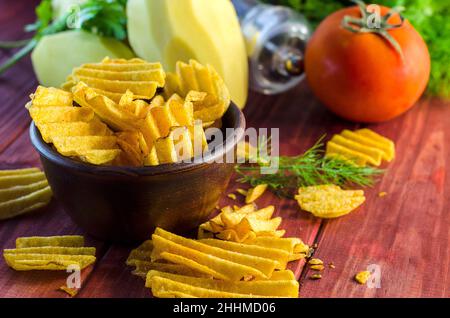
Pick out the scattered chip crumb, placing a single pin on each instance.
(232, 196)
(331, 265)
(255, 193)
(318, 267)
(236, 207)
(315, 276)
(362, 277)
(242, 191)
(315, 261)
(70, 291)
(382, 194)
(217, 207)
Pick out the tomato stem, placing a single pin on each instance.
(379, 25)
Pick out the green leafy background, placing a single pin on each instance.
(431, 18)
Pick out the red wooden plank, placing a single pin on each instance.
(406, 233)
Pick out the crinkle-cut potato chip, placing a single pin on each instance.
(289, 244)
(255, 193)
(113, 78)
(177, 146)
(279, 256)
(50, 96)
(209, 90)
(45, 261)
(262, 265)
(21, 205)
(21, 190)
(329, 202)
(202, 261)
(141, 253)
(54, 241)
(99, 156)
(11, 180)
(105, 108)
(161, 286)
(274, 288)
(13, 172)
(135, 106)
(60, 250)
(78, 145)
(362, 147)
(134, 148)
(66, 114)
(143, 267)
(91, 128)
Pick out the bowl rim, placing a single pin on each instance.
(46, 151)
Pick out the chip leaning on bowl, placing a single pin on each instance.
(124, 112)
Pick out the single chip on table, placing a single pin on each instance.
(388, 145)
(53, 241)
(278, 255)
(14, 172)
(372, 154)
(329, 201)
(276, 288)
(255, 193)
(61, 250)
(25, 203)
(21, 190)
(12, 180)
(50, 96)
(46, 261)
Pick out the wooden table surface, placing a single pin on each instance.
(406, 233)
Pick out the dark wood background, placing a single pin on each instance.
(405, 233)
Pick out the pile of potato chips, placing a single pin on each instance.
(111, 113)
(22, 191)
(49, 253)
(175, 266)
(362, 147)
(329, 201)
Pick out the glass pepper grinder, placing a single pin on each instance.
(275, 37)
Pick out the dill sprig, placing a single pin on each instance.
(307, 169)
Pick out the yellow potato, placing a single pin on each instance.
(11, 180)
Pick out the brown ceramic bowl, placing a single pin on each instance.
(125, 204)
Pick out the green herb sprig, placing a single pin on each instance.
(308, 169)
(102, 17)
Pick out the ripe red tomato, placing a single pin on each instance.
(360, 76)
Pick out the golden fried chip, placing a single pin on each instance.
(388, 151)
(210, 264)
(78, 145)
(21, 190)
(11, 180)
(99, 156)
(72, 292)
(12, 172)
(276, 288)
(374, 155)
(53, 241)
(92, 128)
(255, 193)
(329, 201)
(61, 250)
(291, 245)
(263, 265)
(47, 261)
(141, 253)
(143, 267)
(53, 114)
(388, 145)
(161, 286)
(278, 255)
(49, 96)
(25, 203)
